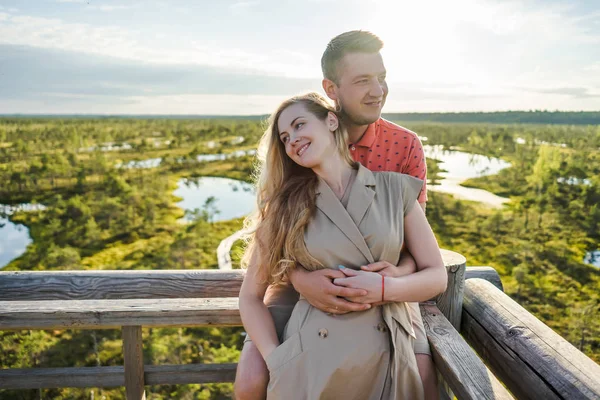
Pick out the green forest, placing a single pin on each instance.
(98, 214)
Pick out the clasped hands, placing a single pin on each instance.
(345, 290)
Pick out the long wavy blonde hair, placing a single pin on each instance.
(286, 198)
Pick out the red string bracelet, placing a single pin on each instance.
(382, 288)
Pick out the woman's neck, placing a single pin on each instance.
(336, 173)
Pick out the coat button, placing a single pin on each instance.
(381, 327)
(353, 148)
(323, 333)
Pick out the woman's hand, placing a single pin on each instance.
(385, 268)
(369, 281)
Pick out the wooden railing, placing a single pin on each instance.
(130, 300)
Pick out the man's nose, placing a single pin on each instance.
(376, 89)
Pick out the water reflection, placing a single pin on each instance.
(14, 238)
(461, 166)
(233, 199)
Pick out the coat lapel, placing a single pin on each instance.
(362, 195)
(345, 219)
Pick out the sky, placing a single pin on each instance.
(230, 57)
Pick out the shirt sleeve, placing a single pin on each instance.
(411, 188)
(417, 166)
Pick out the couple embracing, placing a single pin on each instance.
(340, 252)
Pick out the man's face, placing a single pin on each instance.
(361, 88)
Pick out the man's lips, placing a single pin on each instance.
(302, 149)
(373, 103)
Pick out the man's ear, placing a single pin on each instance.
(330, 89)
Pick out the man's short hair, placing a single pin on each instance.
(347, 42)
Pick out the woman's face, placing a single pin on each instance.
(307, 139)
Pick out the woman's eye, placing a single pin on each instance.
(299, 125)
(284, 139)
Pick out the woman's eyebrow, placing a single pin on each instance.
(281, 133)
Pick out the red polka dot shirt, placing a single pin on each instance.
(386, 146)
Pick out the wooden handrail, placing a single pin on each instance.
(532, 360)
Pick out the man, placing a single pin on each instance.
(355, 78)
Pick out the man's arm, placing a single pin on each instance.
(318, 289)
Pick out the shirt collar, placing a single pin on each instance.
(368, 138)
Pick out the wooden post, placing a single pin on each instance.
(450, 302)
(134, 362)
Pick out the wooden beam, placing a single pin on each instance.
(450, 302)
(487, 273)
(135, 284)
(463, 371)
(189, 373)
(34, 378)
(133, 357)
(103, 314)
(119, 284)
(532, 360)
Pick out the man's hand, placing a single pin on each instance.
(385, 268)
(320, 291)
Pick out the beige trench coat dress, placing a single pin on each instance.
(360, 355)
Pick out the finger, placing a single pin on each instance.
(349, 272)
(341, 291)
(342, 282)
(344, 306)
(373, 267)
(333, 273)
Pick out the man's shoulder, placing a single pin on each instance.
(388, 127)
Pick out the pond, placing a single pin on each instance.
(233, 198)
(461, 166)
(155, 162)
(14, 237)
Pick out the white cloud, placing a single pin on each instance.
(107, 8)
(243, 5)
(124, 43)
(72, 1)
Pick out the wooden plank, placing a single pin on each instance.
(463, 371)
(450, 302)
(529, 357)
(107, 284)
(103, 314)
(487, 273)
(34, 378)
(133, 360)
(189, 373)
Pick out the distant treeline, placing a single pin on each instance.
(498, 117)
(503, 117)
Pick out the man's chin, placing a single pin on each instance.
(364, 119)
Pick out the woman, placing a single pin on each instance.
(319, 209)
